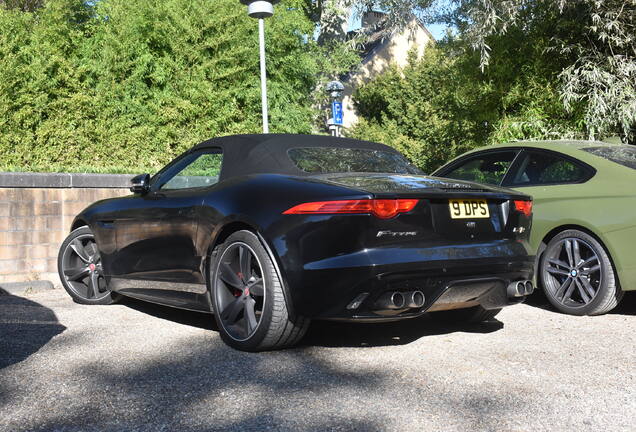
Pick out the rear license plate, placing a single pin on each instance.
(468, 208)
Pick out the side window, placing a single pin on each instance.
(489, 168)
(545, 168)
(195, 171)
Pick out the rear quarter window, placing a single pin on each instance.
(326, 160)
(543, 168)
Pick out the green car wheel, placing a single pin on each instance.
(578, 276)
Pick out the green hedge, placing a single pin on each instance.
(126, 85)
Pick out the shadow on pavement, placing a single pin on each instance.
(185, 317)
(627, 306)
(341, 334)
(539, 300)
(201, 384)
(330, 333)
(198, 383)
(25, 327)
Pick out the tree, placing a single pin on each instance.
(593, 41)
(85, 84)
(332, 16)
(430, 111)
(597, 36)
(444, 104)
(22, 5)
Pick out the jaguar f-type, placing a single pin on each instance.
(268, 232)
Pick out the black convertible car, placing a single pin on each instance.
(271, 231)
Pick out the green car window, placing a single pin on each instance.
(623, 154)
(545, 168)
(489, 168)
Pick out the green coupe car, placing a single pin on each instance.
(584, 228)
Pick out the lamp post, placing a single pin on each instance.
(335, 89)
(261, 9)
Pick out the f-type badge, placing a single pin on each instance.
(396, 233)
(471, 224)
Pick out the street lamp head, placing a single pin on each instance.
(260, 8)
(334, 88)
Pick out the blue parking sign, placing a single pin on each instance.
(336, 111)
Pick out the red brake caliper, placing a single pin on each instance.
(247, 290)
(238, 292)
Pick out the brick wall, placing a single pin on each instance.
(35, 220)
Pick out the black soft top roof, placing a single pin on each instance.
(267, 153)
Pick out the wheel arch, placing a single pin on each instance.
(78, 223)
(227, 230)
(219, 235)
(555, 231)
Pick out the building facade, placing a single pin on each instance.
(381, 52)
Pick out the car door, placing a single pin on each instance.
(156, 235)
(488, 167)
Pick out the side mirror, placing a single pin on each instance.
(140, 184)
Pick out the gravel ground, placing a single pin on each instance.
(136, 366)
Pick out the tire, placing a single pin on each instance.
(577, 275)
(249, 306)
(474, 314)
(79, 268)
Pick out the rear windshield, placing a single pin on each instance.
(326, 160)
(623, 154)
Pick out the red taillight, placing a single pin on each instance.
(382, 208)
(524, 207)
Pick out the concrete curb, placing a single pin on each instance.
(26, 288)
(63, 180)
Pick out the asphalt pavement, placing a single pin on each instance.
(142, 367)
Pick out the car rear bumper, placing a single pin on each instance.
(488, 292)
(621, 245)
(348, 286)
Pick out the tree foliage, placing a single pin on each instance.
(590, 46)
(532, 69)
(418, 111)
(122, 85)
(23, 5)
(598, 37)
(443, 104)
(115, 85)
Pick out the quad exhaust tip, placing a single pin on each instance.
(398, 300)
(529, 288)
(520, 288)
(414, 299)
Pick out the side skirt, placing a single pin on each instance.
(179, 295)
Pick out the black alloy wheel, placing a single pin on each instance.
(240, 293)
(577, 275)
(80, 269)
(247, 297)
